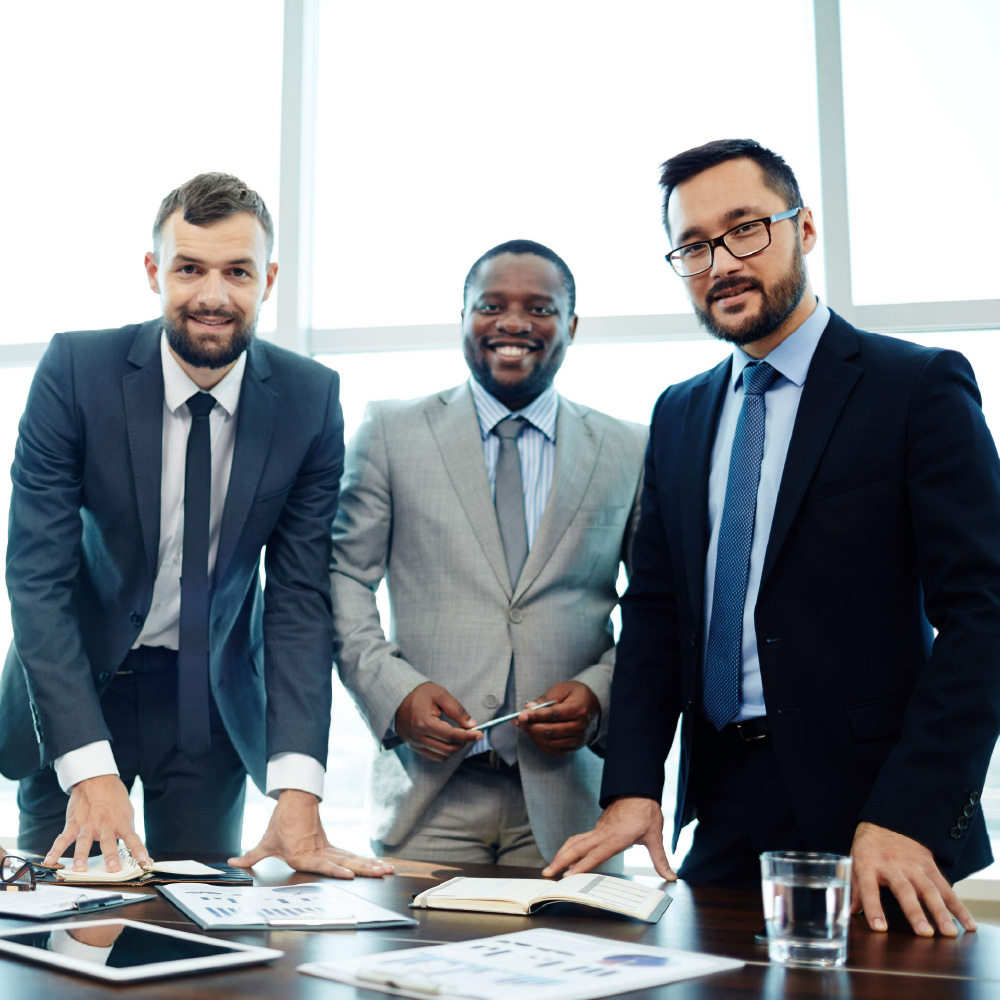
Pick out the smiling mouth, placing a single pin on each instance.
(214, 321)
(726, 295)
(513, 350)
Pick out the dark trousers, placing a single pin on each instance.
(192, 807)
(743, 809)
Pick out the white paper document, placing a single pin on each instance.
(312, 904)
(531, 965)
(46, 901)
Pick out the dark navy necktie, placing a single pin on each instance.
(723, 658)
(193, 737)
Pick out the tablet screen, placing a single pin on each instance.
(118, 945)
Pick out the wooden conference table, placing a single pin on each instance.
(701, 918)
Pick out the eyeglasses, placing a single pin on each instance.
(16, 874)
(745, 240)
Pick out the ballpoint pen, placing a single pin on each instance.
(513, 715)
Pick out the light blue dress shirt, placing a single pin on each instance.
(791, 358)
(536, 446)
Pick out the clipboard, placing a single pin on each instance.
(47, 902)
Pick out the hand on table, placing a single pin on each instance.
(295, 834)
(628, 820)
(420, 723)
(99, 809)
(884, 858)
(566, 726)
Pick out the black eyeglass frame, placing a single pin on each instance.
(11, 884)
(721, 241)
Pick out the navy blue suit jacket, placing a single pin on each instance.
(84, 534)
(887, 522)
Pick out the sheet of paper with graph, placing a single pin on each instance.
(525, 895)
(310, 905)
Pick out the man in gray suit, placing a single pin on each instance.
(499, 514)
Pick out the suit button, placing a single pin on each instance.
(694, 639)
(491, 701)
(969, 810)
(135, 618)
(689, 705)
(515, 615)
(956, 833)
(962, 823)
(973, 798)
(102, 677)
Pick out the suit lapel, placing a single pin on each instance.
(142, 391)
(700, 424)
(577, 448)
(254, 427)
(455, 426)
(828, 385)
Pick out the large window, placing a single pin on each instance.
(400, 141)
(545, 121)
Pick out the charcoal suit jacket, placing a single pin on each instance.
(886, 528)
(84, 537)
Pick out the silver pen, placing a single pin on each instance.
(513, 715)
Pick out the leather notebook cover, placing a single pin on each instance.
(228, 875)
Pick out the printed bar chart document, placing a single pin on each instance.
(315, 905)
(530, 965)
(525, 895)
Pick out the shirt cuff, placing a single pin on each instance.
(89, 761)
(295, 770)
(63, 943)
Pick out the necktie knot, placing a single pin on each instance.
(509, 429)
(758, 378)
(200, 404)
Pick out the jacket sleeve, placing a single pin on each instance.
(598, 677)
(938, 767)
(43, 561)
(298, 639)
(371, 667)
(645, 692)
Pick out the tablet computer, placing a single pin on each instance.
(125, 951)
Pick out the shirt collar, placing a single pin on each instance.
(178, 387)
(540, 413)
(794, 354)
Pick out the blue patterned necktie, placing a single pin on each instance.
(193, 737)
(723, 659)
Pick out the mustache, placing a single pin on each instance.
(207, 314)
(726, 285)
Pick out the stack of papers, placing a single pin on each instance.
(530, 965)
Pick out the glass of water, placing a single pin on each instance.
(806, 902)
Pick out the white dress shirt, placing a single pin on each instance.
(162, 624)
(791, 358)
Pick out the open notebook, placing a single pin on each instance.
(159, 872)
(525, 895)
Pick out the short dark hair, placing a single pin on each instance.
(521, 247)
(210, 198)
(778, 174)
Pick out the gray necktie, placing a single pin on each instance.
(509, 497)
(509, 501)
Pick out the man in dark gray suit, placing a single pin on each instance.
(153, 464)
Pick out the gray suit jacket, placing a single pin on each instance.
(416, 508)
